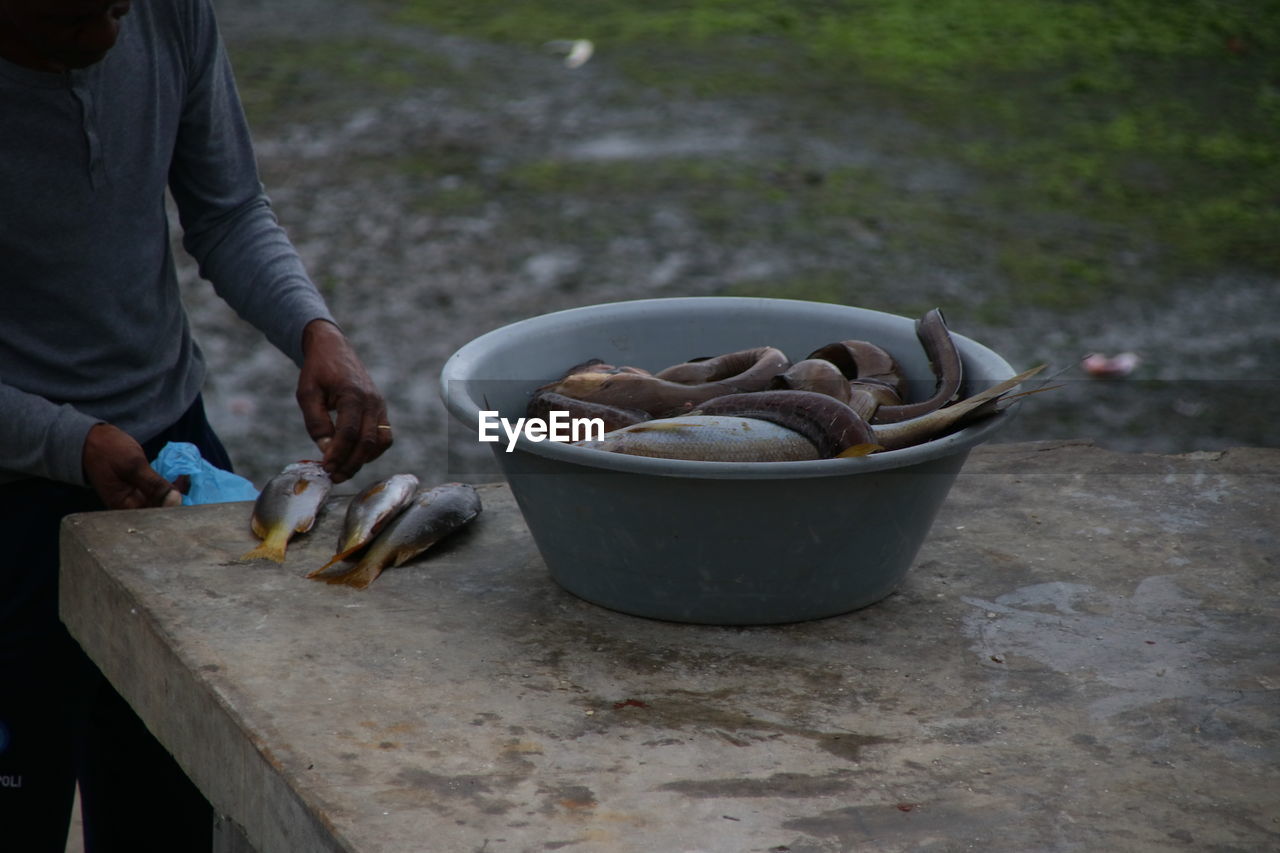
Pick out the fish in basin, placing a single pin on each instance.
(844, 399)
(708, 438)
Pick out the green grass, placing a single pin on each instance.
(287, 79)
(1158, 120)
(1114, 145)
(1055, 263)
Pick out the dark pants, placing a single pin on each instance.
(60, 720)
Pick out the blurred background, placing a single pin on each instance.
(1060, 177)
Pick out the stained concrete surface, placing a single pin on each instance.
(1084, 657)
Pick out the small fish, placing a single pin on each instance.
(432, 515)
(708, 438)
(369, 512)
(287, 505)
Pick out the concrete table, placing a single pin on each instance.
(1084, 657)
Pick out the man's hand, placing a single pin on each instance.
(333, 379)
(117, 469)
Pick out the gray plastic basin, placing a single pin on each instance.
(714, 542)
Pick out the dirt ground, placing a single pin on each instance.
(402, 201)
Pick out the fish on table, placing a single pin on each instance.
(288, 504)
(369, 512)
(432, 515)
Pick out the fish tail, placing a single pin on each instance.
(337, 558)
(360, 577)
(856, 450)
(271, 548)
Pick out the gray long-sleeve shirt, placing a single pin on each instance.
(92, 328)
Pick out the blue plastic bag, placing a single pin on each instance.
(209, 485)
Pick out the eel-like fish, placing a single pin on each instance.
(863, 360)
(543, 403)
(944, 358)
(288, 504)
(744, 370)
(813, 374)
(657, 396)
(830, 426)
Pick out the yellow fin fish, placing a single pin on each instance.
(287, 505)
(369, 512)
(431, 516)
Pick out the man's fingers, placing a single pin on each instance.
(375, 436)
(153, 490)
(352, 432)
(334, 381)
(361, 434)
(118, 471)
(315, 415)
(140, 493)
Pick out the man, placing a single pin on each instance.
(103, 106)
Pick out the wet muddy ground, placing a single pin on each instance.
(438, 188)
